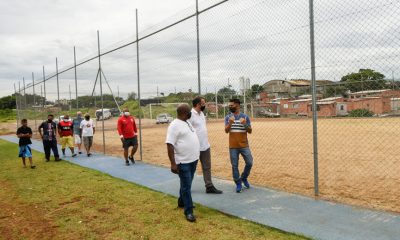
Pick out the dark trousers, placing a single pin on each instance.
(50, 145)
(186, 174)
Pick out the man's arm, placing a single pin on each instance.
(134, 126)
(171, 156)
(40, 130)
(228, 124)
(119, 127)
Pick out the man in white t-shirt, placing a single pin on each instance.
(198, 121)
(183, 152)
(88, 130)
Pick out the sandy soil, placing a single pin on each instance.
(358, 158)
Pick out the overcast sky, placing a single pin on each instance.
(258, 39)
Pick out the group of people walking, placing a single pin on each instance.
(71, 133)
(187, 143)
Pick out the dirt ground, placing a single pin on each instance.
(358, 158)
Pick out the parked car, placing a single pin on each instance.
(164, 118)
(266, 113)
(107, 114)
(115, 112)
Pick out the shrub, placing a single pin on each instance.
(361, 113)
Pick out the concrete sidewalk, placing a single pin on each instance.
(288, 212)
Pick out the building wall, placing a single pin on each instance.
(293, 108)
(379, 105)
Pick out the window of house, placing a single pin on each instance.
(295, 105)
(341, 108)
(285, 105)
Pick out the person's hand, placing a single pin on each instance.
(231, 120)
(122, 140)
(243, 121)
(174, 168)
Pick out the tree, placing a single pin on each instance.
(132, 96)
(228, 90)
(364, 79)
(256, 89)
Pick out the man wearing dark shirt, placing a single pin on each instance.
(24, 134)
(49, 137)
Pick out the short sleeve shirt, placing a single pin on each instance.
(49, 131)
(182, 136)
(77, 123)
(24, 130)
(238, 132)
(87, 128)
(198, 121)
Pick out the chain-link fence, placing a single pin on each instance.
(257, 51)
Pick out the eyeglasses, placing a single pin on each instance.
(191, 129)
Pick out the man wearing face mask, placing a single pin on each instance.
(183, 152)
(238, 124)
(88, 130)
(198, 121)
(128, 134)
(65, 129)
(49, 137)
(78, 131)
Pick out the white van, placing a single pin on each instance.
(107, 114)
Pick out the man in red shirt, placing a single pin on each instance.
(65, 130)
(128, 133)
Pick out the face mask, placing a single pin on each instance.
(65, 120)
(49, 120)
(79, 116)
(127, 114)
(232, 109)
(202, 108)
(87, 118)
(189, 115)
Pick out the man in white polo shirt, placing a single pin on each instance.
(183, 152)
(198, 121)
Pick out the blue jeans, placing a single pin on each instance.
(248, 159)
(186, 174)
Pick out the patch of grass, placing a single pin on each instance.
(65, 201)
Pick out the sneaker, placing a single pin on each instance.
(238, 187)
(132, 160)
(190, 217)
(127, 163)
(47, 159)
(58, 159)
(33, 166)
(74, 155)
(89, 154)
(212, 189)
(80, 152)
(246, 183)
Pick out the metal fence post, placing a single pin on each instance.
(34, 99)
(314, 98)
(23, 79)
(19, 99)
(16, 104)
(44, 91)
(138, 79)
(101, 92)
(198, 47)
(58, 87)
(76, 82)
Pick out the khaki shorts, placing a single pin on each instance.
(77, 139)
(88, 141)
(67, 141)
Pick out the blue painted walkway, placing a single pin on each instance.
(288, 212)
